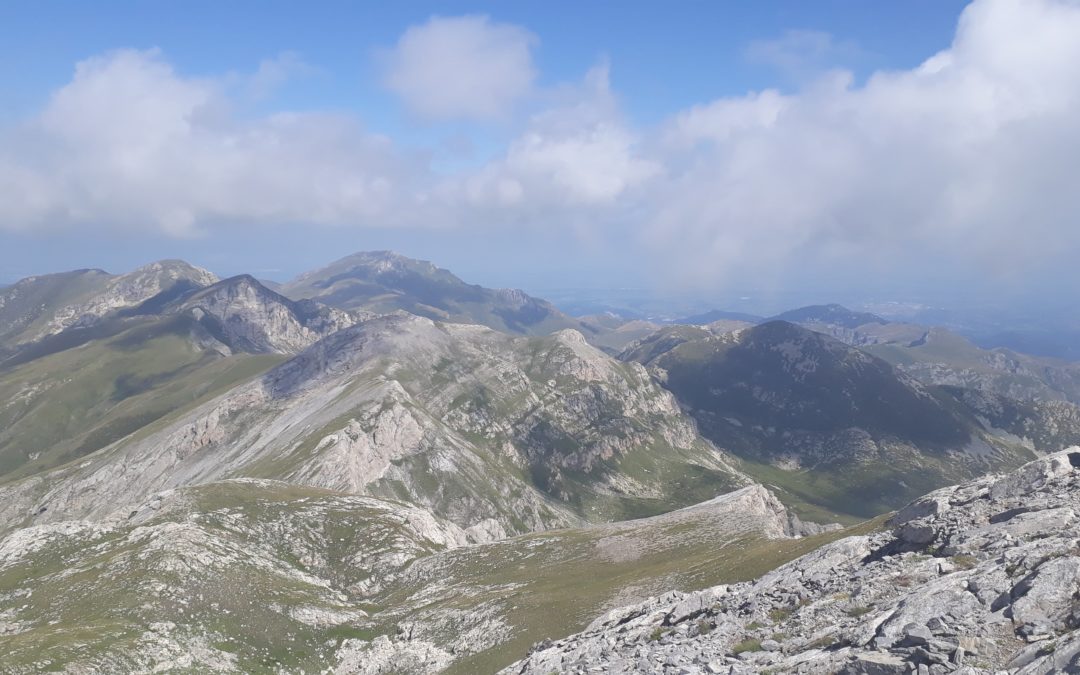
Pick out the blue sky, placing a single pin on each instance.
(671, 145)
(665, 56)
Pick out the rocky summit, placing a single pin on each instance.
(983, 577)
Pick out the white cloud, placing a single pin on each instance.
(578, 153)
(465, 67)
(965, 159)
(275, 72)
(129, 143)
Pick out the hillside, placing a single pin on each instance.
(72, 393)
(938, 356)
(830, 425)
(832, 315)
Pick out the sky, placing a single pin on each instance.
(898, 150)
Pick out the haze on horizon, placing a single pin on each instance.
(924, 150)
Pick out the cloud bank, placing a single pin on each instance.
(968, 159)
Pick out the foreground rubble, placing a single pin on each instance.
(978, 578)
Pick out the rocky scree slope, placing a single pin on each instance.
(498, 434)
(983, 577)
(262, 576)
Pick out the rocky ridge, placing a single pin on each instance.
(498, 434)
(977, 578)
(38, 307)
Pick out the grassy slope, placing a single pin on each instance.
(249, 553)
(67, 404)
(225, 586)
(1046, 378)
(30, 305)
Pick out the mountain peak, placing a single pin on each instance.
(385, 281)
(243, 314)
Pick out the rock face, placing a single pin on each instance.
(982, 577)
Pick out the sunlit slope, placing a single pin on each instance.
(37, 307)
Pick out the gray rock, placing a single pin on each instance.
(1000, 583)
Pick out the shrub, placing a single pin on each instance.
(780, 614)
(964, 562)
(747, 646)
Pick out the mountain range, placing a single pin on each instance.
(377, 467)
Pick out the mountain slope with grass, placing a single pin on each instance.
(68, 395)
(830, 425)
(938, 356)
